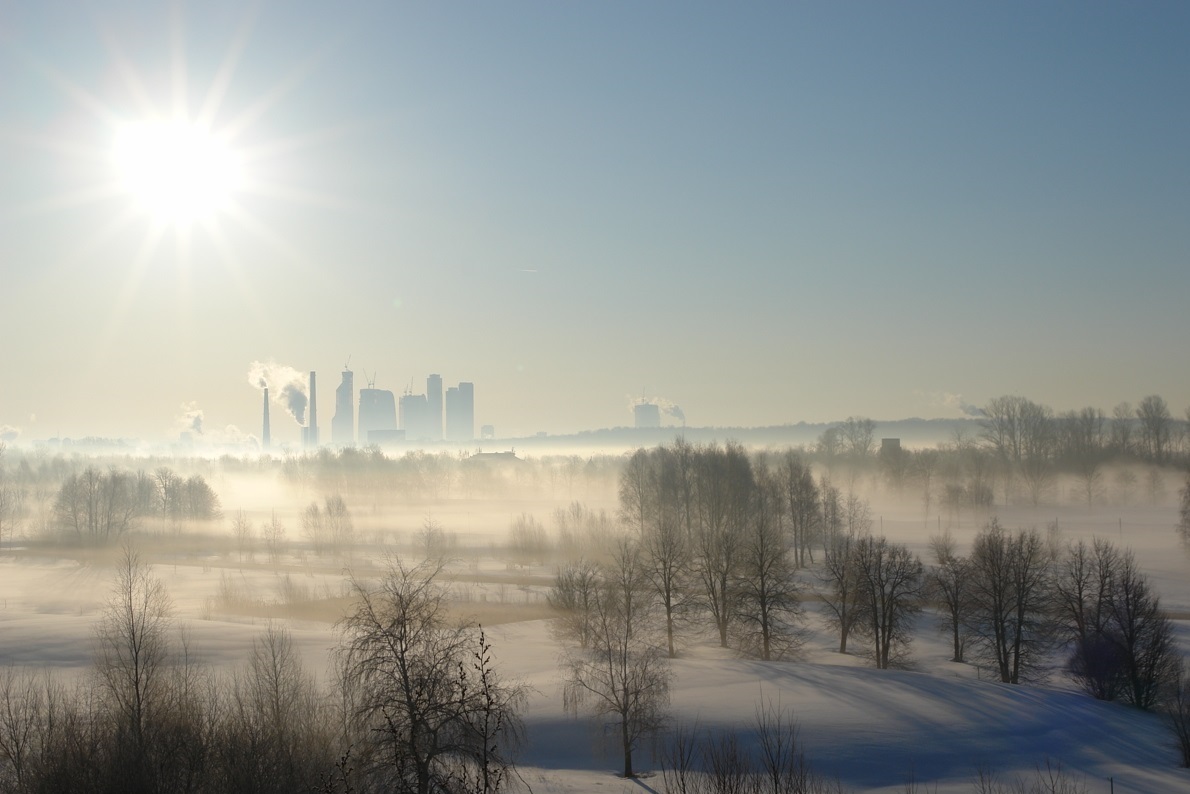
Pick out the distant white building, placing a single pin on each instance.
(647, 415)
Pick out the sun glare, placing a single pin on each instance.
(178, 172)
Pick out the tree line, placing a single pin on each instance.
(714, 542)
(97, 505)
(415, 705)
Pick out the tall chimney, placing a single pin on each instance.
(312, 433)
(265, 440)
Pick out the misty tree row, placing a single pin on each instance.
(415, 705)
(716, 539)
(95, 506)
(715, 542)
(1022, 449)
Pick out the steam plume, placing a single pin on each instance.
(669, 407)
(952, 402)
(294, 398)
(9, 433)
(190, 419)
(287, 386)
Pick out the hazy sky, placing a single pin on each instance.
(765, 213)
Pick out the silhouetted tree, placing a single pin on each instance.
(1143, 635)
(133, 652)
(420, 696)
(724, 488)
(1010, 601)
(1155, 427)
(621, 675)
(802, 505)
(574, 595)
(1083, 590)
(1121, 429)
(94, 506)
(766, 599)
(889, 578)
(1177, 715)
(948, 582)
(840, 589)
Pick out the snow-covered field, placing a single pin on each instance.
(935, 722)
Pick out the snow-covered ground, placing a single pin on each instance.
(936, 721)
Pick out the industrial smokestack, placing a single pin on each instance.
(265, 439)
(312, 432)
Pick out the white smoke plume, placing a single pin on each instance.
(668, 407)
(287, 387)
(9, 433)
(952, 402)
(190, 419)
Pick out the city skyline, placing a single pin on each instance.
(786, 213)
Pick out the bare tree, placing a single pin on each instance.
(528, 541)
(859, 436)
(1010, 599)
(241, 530)
(949, 583)
(725, 482)
(1020, 432)
(1083, 587)
(890, 587)
(132, 655)
(1083, 449)
(668, 568)
(1121, 428)
(94, 506)
(340, 528)
(802, 505)
(840, 589)
(766, 601)
(313, 527)
(923, 468)
(621, 676)
(635, 491)
(1144, 637)
(1156, 424)
(273, 532)
(275, 736)
(23, 715)
(420, 696)
(574, 596)
(1177, 715)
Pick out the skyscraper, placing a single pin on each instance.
(377, 411)
(434, 403)
(415, 417)
(343, 422)
(460, 412)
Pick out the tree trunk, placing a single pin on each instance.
(627, 746)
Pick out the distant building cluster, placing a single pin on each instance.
(382, 419)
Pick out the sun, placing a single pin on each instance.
(178, 172)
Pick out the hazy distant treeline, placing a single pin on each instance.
(97, 505)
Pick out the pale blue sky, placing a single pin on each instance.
(766, 214)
